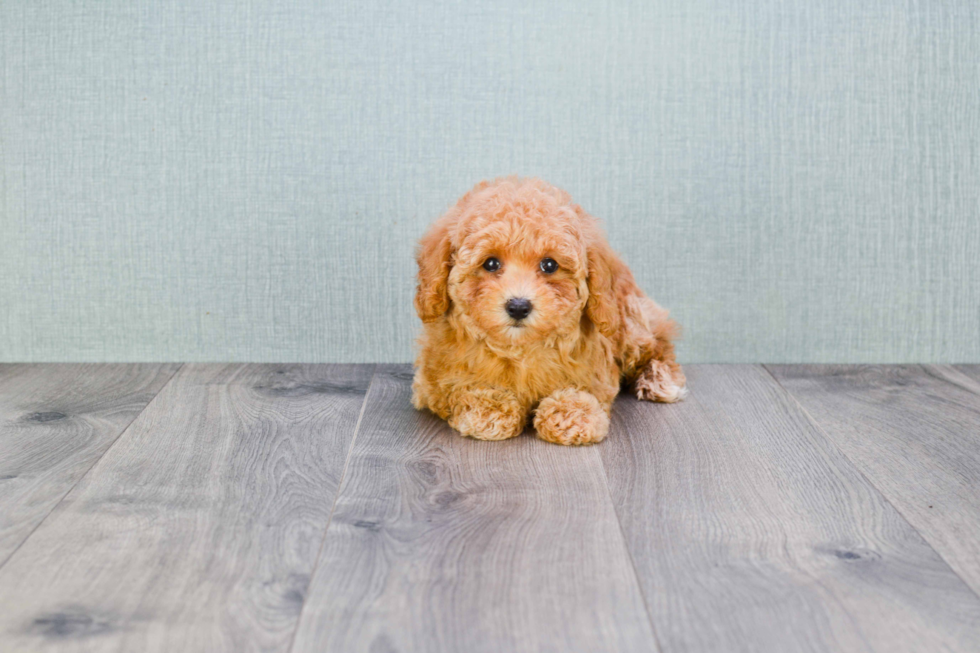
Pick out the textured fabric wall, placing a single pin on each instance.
(192, 180)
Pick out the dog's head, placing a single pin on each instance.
(514, 262)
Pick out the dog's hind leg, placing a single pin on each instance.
(660, 380)
(655, 376)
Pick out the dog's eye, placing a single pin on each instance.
(549, 265)
(491, 264)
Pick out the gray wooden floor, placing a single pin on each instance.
(310, 508)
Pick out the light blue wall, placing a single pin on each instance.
(191, 180)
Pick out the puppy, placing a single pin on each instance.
(526, 310)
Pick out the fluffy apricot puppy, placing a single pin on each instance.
(527, 310)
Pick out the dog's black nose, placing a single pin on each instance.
(518, 307)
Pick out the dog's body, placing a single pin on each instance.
(526, 308)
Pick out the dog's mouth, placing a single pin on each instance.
(515, 330)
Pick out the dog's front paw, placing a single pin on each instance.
(658, 381)
(487, 414)
(570, 416)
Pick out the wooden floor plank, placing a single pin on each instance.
(56, 421)
(750, 531)
(443, 543)
(199, 529)
(973, 371)
(914, 431)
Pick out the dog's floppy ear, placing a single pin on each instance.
(602, 308)
(434, 256)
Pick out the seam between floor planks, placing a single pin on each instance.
(823, 431)
(255, 599)
(333, 509)
(629, 553)
(400, 535)
(678, 447)
(362, 417)
(924, 534)
(95, 462)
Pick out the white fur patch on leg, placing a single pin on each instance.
(656, 383)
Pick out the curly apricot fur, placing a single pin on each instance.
(591, 328)
(487, 413)
(570, 416)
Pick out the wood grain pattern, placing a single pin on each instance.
(199, 529)
(751, 532)
(55, 423)
(441, 543)
(973, 371)
(914, 431)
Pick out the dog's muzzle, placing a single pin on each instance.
(518, 307)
